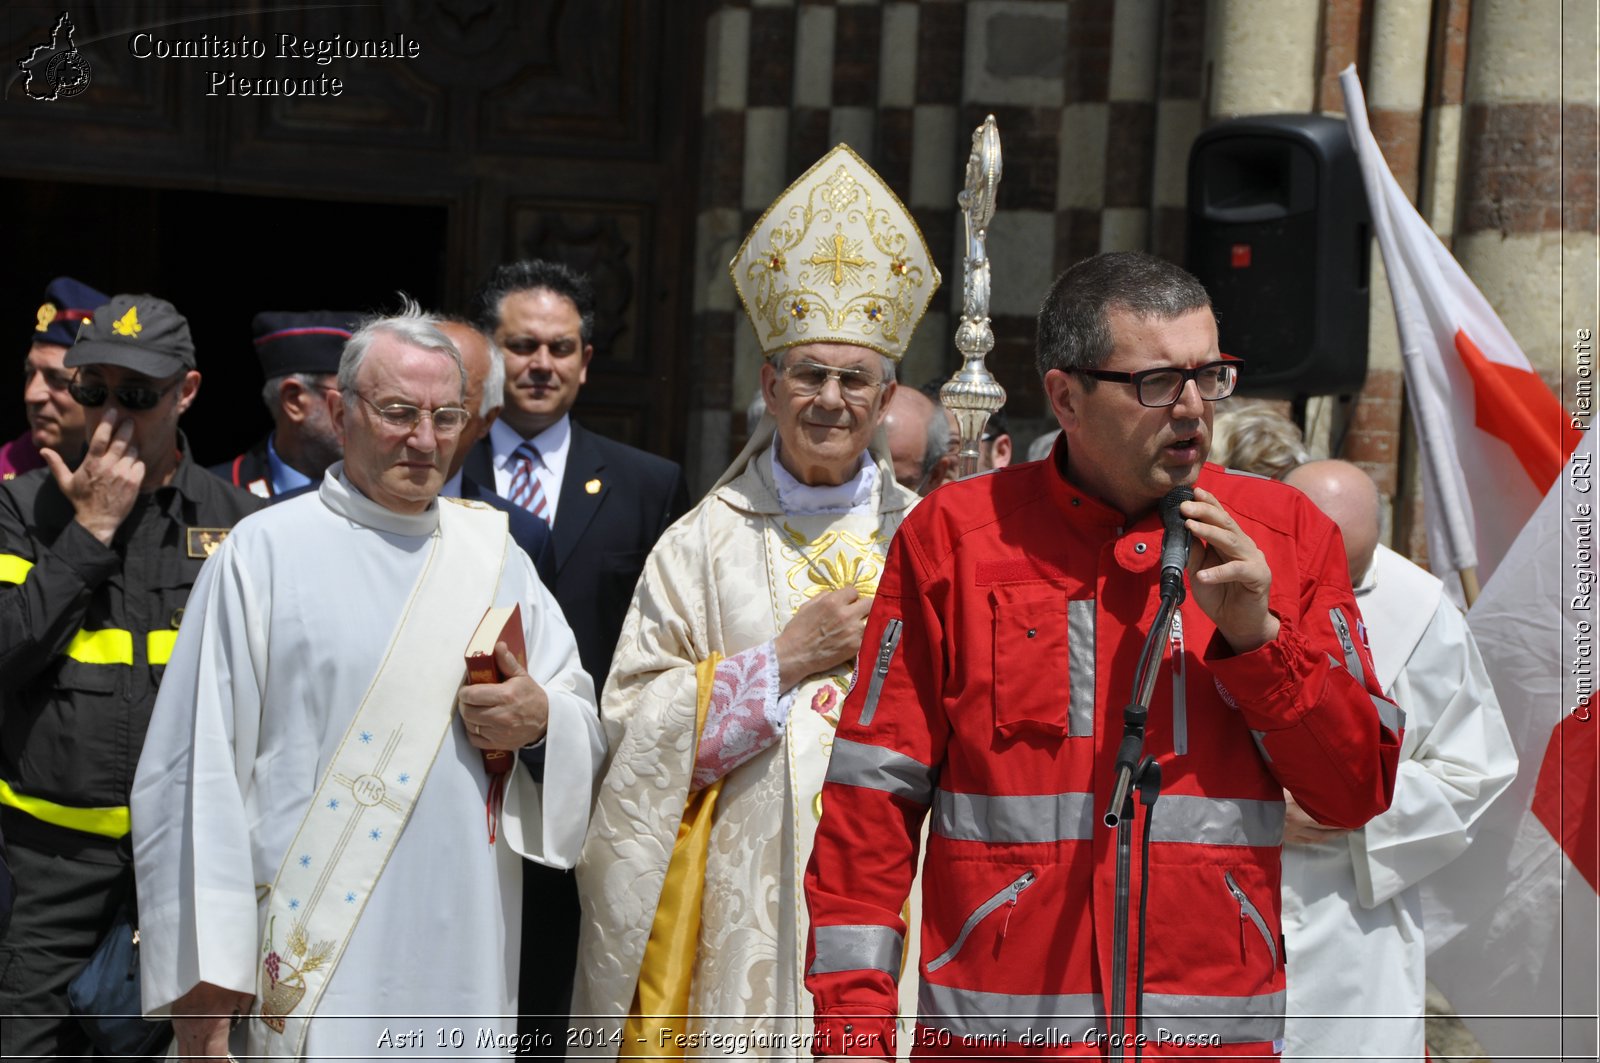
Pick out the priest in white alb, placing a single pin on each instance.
(315, 842)
(740, 644)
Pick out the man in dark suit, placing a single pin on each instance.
(606, 503)
(299, 353)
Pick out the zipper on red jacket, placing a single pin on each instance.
(880, 672)
(1007, 896)
(1352, 659)
(1249, 913)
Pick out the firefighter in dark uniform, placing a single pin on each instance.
(96, 563)
(299, 353)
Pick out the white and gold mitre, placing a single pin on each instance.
(836, 259)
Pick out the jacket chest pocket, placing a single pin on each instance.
(168, 597)
(1043, 661)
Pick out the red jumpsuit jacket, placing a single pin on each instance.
(998, 656)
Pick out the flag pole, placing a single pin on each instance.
(1456, 524)
(972, 394)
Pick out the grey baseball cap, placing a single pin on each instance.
(137, 332)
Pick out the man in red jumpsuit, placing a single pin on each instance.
(998, 656)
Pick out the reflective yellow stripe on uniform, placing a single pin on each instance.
(158, 646)
(14, 569)
(108, 822)
(112, 645)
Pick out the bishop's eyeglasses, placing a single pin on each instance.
(807, 379)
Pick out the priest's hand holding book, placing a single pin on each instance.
(502, 707)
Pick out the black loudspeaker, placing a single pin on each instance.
(1278, 234)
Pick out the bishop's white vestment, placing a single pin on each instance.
(725, 578)
(285, 631)
(1352, 914)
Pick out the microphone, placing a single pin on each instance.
(1174, 558)
(1174, 543)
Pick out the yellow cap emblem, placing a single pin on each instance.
(592, 487)
(47, 317)
(128, 324)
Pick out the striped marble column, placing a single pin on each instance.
(1395, 87)
(1131, 125)
(1025, 64)
(1179, 119)
(1526, 232)
(1261, 55)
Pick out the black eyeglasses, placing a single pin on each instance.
(1161, 387)
(129, 396)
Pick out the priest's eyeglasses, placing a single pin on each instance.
(808, 378)
(1161, 387)
(129, 396)
(447, 420)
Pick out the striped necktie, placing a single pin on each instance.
(526, 489)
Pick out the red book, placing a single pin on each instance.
(500, 623)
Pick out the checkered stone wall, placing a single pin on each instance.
(1096, 101)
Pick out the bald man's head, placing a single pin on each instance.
(486, 375)
(918, 437)
(1350, 499)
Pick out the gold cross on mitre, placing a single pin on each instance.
(843, 256)
(863, 241)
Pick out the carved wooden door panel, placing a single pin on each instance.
(557, 128)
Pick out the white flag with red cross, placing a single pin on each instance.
(1493, 436)
(1511, 924)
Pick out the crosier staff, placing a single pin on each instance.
(973, 394)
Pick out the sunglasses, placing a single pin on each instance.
(129, 396)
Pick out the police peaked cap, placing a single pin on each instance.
(67, 303)
(302, 341)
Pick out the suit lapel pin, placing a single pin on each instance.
(592, 487)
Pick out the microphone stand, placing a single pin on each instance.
(1134, 768)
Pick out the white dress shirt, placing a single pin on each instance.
(553, 445)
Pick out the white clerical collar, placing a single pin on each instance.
(345, 499)
(852, 496)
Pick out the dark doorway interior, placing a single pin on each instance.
(219, 259)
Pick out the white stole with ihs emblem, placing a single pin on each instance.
(366, 796)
